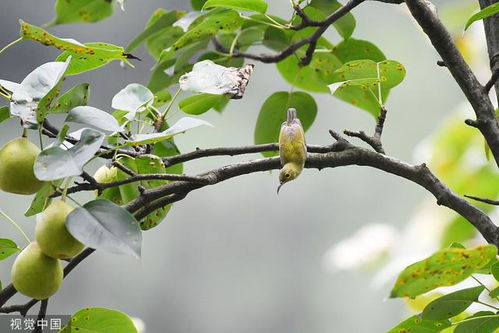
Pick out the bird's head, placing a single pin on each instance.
(288, 172)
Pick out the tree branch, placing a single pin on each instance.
(488, 201)
(375, 140)
(475, 93)
(311, 40)
(351, 155)
(491, 25)
(341, 153)
(41, 315)
(133, 179)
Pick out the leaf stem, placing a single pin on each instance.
(66, 186)
(379, 85)
(8, 218)
(10, 44)
(263, 22)
(40, 137)
(491, 306)
(233, 45)
(480, 283)
(4, 95)
(171, 104)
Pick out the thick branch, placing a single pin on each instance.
(351, 155)
(475, 93)
(491, 25)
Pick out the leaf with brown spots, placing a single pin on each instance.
(224, 22)
(84, 57)
(7, 248)
(81, 11)
(415, 324)
(99, 320)
(452, 304)
(444, 268)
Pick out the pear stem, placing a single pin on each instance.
(10, 44)
(66, 186)
(8, 218)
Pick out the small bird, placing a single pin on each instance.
(292, 148)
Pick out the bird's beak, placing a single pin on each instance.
(279, 187)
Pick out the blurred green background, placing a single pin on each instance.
(236, 257)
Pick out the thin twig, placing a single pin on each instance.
(375, 140)
(488, 201)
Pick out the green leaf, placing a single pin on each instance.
(387, 74)
(99, 320)
(452, 304)
(76, 96)
(494, 270)
(94, 117)
(163, 40)
(159, 80)
(314, 77)
(162, 20)
(444, 268)
(161, 98)
(197, 4)
(484, 13)
(132, 98)
(168, 148)
(182, 125)
(457, 230)
(494, 292)
(198, 104)
(250, 36)
(81, 11)
(85, 57)
(224, 22)
(100, 224)
(7, 248)
(46, 101)
(356, 49)
(273, 114)
(4, 113)
(147, 164)
(345, 25)
(41, 200)
(415, 324)
(259, 6)
(57, 163)
(480, 322)
(276, 39)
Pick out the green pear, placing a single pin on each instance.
(52, 235)
(36, 275)
(17, 158)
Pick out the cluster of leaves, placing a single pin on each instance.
(446, 313)
(355, 71)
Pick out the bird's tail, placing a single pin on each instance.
(291, 115)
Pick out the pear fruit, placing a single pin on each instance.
(36, 275)
(17, 158)
(52, 235)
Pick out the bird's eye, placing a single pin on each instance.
(287, 175)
